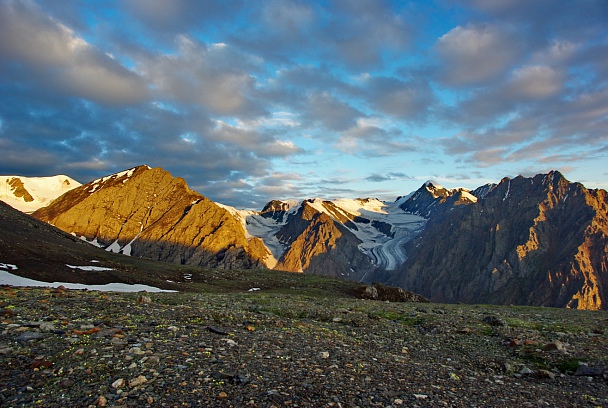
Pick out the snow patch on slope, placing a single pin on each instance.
(7, 278)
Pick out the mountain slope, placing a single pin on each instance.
(147, 212)
(535, 241)
(28, 194)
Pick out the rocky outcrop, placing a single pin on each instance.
(531, 241)
(148, 213)
(387, 294)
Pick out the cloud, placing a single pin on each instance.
(330, 112)
(378, 178)
(475, 54)
(175, 16)
(403, 100)
(536, 82)
(36, 49)
(361, 31)
(204, 76)
(368, 139)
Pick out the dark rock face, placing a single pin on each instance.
(276, 210)
(534, 241)
(148, 213)
(433, 201)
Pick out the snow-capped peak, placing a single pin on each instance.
(433, 184)
(27, 194)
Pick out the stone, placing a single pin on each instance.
(139, 380)
(29, 336)
(101, 401)
(587, 371)
(555, 345)
(546, 374)
(494, 321)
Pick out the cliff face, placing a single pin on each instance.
(148, 213)
(535, 241)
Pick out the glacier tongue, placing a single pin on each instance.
(387, 251)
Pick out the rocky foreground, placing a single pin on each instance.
(63, 348)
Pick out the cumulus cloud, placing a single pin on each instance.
(201, 75)
(536, 82)
(332, 113)
(364, 29)
(378, 178)
(179, 15)
(475, 54)
(55, 58)
(404, 100)
(368, 139)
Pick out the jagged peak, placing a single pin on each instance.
(433, 184)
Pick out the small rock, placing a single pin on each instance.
(324, 354)
(525, 371)
(587, 371)
(135, 382)
(546, 374)
(101, 401)
(555, 345)
(231, 342)
(421, 396)
(66, 383)
(515, 343)
(29, 336)
(216, 331)
(144, 299)
(222, 395)
(494, 321)
(119, 383)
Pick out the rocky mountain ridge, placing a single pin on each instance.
(148, 213)
(537, 241)
(531, 241)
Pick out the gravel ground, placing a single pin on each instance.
(63, 348)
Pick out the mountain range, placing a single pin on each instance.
(531, 241)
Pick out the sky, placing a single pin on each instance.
(250, 101)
